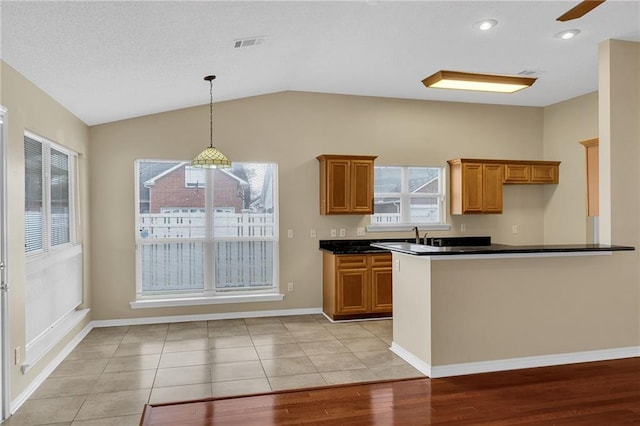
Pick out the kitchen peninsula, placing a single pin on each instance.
(463, 310)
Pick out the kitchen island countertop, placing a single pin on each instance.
(498, 249)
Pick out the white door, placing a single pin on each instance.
(4, 288)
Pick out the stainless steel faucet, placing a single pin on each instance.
(415, 228)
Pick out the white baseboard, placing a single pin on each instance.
(17, 403)
(513, 363)
(205, 317)
(415, 362)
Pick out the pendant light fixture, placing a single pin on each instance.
(211, 158)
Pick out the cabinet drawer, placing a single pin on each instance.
(380, 260)
(351, 261)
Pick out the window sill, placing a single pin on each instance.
(408, 228)
(204, 300)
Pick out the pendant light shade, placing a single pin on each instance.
(211, 158)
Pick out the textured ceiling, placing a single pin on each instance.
(108, 61)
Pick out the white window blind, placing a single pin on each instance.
(59, 184)
(34, 196)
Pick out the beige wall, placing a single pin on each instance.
(565, 125)
(292, 128)
(619, 115)
(495, 309)
(31, 109)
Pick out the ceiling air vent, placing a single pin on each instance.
(528, 72)
(248, 42)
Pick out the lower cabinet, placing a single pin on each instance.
(357, 286)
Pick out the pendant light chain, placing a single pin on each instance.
(211, 112)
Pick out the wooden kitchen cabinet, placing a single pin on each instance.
(593, 178)
(531, 172)
(476, 184)
(476, 187)
(346, 184)
(357, 286)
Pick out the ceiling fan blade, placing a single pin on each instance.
(580, 10)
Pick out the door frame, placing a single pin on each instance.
(5, 401)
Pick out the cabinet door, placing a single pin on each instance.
(544, 173)
(338, 182)
(381, 283)
(593, 182)
(362, 186)
(472, 188)
(492, 188)
(352, 292)
(516, 173)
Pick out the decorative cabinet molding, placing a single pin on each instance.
(346, 184)
(476, 184)
(357, 286)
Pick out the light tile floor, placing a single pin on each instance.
(114, 371)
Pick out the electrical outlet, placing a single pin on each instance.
(397, 264)
(18, 355)
(514, 229)
(343, 232)
(290, 287)
(289, 233)
(313, 233)
(360, 231)
(333, 232)
(463, 227)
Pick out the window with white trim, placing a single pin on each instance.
(53, 257)
(48, 195)
(408, 196)
(215, 237)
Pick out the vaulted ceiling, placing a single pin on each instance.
(108, 61)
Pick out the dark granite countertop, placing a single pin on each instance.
(422, 250)
(359, 246)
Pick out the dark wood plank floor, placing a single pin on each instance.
(597, 393)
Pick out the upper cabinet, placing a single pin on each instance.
(592, 156)
(346, 184)
(476, 185)
(531, 172)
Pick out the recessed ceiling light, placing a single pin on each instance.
(568, 34)
(485, 24)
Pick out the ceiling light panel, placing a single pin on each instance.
(496, 83)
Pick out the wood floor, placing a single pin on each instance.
(597, 393)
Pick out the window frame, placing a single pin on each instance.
(405, 202)
(209, 294)
(47, 246)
